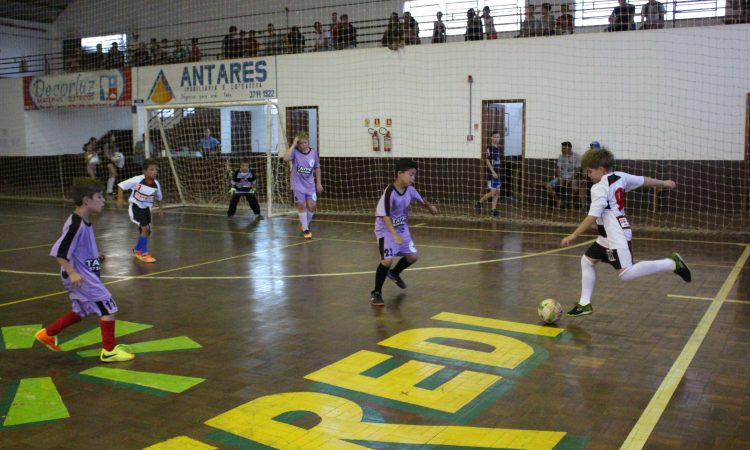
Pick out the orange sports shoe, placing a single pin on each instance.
(144, 257)
(49, 341)
(307, 234)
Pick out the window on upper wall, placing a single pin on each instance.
(89, 44)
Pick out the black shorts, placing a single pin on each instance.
(610, 256)
(140, 216)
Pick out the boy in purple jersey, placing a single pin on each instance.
(607, 211)
(392, 228)
(80, 263)
(306, 182)
(145, 191)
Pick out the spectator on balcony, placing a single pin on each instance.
(99, 58)
(320, 44)
(157, 55)
(141, 57)
(393, 37)
(411, 30)
(115, 59)
(622, 17)
(548, 20)
(166, 55)
(231, 47)
(296, 40)
(531, 26)
(209, 145)
(252, 46)
(195, 50)
(489, 24)
(346, 36)
(564, 23)
(473, 26)
(274, 44)
(153, 50)
(652, 15)
(438, 29)
(180, 53)
(334, 29)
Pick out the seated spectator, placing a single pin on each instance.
(652, 15)
(179, 54)
(296, 40)
(489, 24)
(252, 46)
(531, 26)
(568, 166)
(622, 17)
(141, 57)
(320, 44)
(473, 26)
(195, 50)
(547, 21)
(393, 36)
(209, 145)
(564, 23)
(438, 29)
(115, 59)
(274, 43)
(231, 46)
(346, 36)
(411, 30)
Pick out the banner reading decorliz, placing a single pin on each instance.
(101, 88)
(238, 80)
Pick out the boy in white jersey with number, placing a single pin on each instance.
(613, 244)
(145, 190)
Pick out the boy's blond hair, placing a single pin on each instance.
(301, 135)
(594, 158)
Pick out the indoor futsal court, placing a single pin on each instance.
(249, 336)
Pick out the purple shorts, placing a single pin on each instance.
(303, 197)
(390, 249)
(88, 307)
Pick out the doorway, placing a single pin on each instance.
(508, 117)
(302, 118)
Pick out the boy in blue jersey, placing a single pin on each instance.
(80, 264)
(145, 191)
(392, 228)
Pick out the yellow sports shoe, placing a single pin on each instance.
(307, 234)
(49, 341)
(118, 354)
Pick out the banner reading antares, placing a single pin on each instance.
(207, 82)
(100, 88)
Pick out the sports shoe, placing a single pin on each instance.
(307, 234)
(49, 341)
(495, 213)
(581, 310)
(259, 217)
(478, 207)
(144, 257)
(396, 279)
(376, 299)
(681, 268)
(118, 354)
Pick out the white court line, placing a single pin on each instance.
(692, 297)
(655, 408)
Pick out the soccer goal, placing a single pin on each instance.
(202, 146)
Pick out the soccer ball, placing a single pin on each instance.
(549, 310)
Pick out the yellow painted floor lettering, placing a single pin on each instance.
(399, 383)
(497, 324)
(181, 443)
(341, 421)
(508, 352)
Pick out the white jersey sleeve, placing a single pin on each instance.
(130, 183)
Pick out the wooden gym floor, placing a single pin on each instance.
(248, 336)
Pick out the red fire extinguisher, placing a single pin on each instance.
(375, 139)
(387, 141)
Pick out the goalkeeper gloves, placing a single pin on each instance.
(232, 191)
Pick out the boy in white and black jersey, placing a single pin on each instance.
(243, 185)
(613, 244)
(145, 191)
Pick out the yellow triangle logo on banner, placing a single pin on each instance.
(161, 91)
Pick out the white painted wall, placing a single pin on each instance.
(30, 40)
(12, 124)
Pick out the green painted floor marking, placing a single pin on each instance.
(19, 336)
(36, 400)
(94, 335)
(159, 381)
(161, 345)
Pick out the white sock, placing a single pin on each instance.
(588, 280)
(303, 219)
(644, 268)
(110, 184)
(309, 217)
